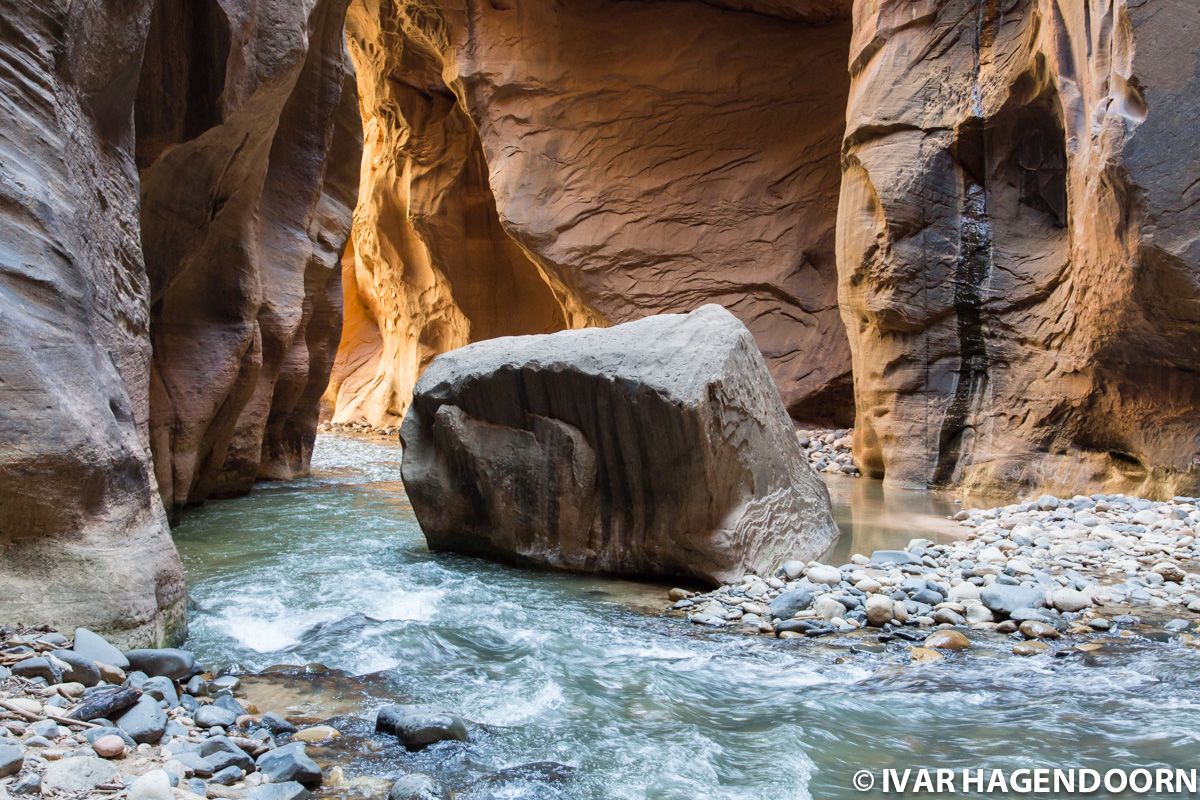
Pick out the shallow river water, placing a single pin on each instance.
(333, 570)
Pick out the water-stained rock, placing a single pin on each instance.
(655, 448)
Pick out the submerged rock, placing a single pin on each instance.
(655, 448)
(417, 729)
(415, 786)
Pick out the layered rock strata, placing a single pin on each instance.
(532, 167)
(83, 536)
(186, 320)
(1016, 242)
(249, 151)
(655, 448)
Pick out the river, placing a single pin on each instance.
(333, 570)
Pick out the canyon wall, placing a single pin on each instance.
(1017, 242)
(182, 320)
(248, 150)
(535, 166)
(83, 536)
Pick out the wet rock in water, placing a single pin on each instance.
(289, 790)
(655, 448)
(169, 661)
(97, 648)
(277, 724)
(11, 759)
(109, 746)
(1030, 648)
(213, 716)
(317, 733)
(539, 780)
(78, 774)
(145, 722)
(947, 640)
(924, 654)
(1005, 599)
(1032, 629)
(417, 729)
(290, 763)
(415, 786)
(80, 668)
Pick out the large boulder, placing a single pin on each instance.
(655, 448)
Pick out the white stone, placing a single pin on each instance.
(964, 591)
(154, 785)
(823, 573)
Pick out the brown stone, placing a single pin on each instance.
(78, 505)
(111, 746)
(924, 654)
(1032, 629)
(248, 149)
(947, 640)
(1032, 648)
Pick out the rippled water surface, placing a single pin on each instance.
(334, 570)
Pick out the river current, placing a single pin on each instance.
(332, 570)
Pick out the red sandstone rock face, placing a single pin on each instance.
(610, 160)
(248, 148)
(83, 537)
(1017, 243)
(248, 153)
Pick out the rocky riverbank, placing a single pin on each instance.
(828, 450)
(1053, 573)
(359, 429)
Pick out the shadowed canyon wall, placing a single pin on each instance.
(534, 166)
(181, 321)
(83, 536)
(248, 148)
(1017, 243)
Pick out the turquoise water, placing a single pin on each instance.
(550, 667)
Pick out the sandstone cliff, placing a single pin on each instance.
(534, 166)
(83, 536)
(248, 148)
(212, 349)
(1019, 264)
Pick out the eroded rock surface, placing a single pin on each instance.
(83, 537)
(535, 166)
(197, 321)
(1017, 244)
(655, 448)
(249, 151)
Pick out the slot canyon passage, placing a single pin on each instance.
(962, 239)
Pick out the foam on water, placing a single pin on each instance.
(333, 570)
